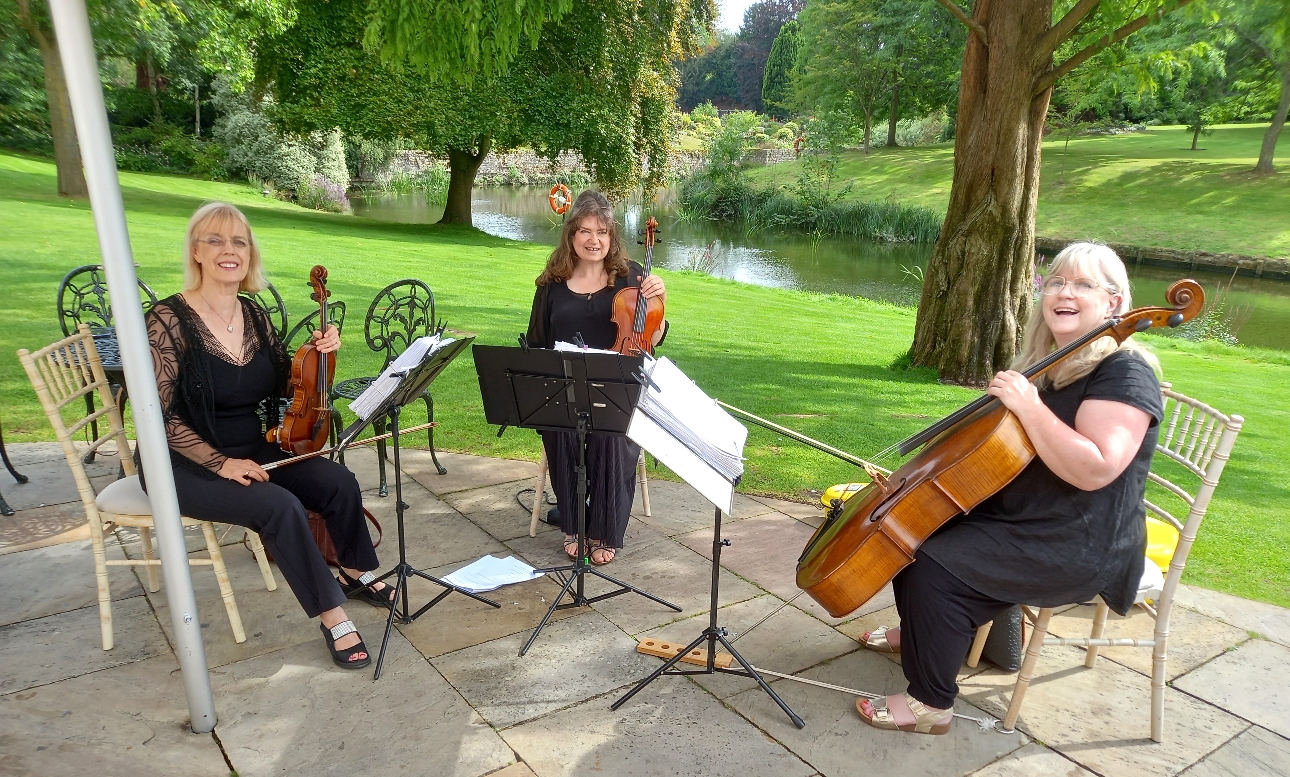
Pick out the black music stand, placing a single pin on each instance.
(410, 387)
(564, 391)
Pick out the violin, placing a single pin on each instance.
(307, 422)
(638, 318)
(969, 456)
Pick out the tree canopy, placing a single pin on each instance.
(777, 83)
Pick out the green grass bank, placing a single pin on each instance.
(1142, 188)
(816, 363)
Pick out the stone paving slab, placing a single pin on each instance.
(1256, 751)
(547, 549)
(57, 579)
(194, 539)
(1033, 760)
(670, 728)
(1249, 681)
(809, 513)
(436, 534)
(127, 721)
(51, 482)
(838, 743)
(1267, 620)
(70, 644)
(42, 526)
(464, 470)
(1193, 638)
(676, 508)
(294, 712)
(572, 660)
(24, 453)
(789, 642)
(1101, 718)
(459, 622)
(495, 510)
(519, 769)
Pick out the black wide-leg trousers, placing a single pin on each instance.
(611, 482)
(276, 511)
(939, 616)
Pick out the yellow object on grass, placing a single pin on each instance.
(843, 491)
(1162, 539)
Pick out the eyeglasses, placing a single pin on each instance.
(1080, 287)
(218, 243)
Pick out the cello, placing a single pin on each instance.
(307, 421)
(969, 456)
(638, 318)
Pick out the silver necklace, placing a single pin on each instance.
(228, 323)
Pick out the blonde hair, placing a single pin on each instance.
(211, 217)
(1080, 260)
(590, 204)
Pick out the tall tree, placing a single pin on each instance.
(598, 83)
(777, 84)
(761, 24)
(67, 150)
(1265, 25)
(979, 280)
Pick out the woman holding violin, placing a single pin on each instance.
(575, 300)
(217, 357)
(1070, 527)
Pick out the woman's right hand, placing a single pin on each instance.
(242, 471)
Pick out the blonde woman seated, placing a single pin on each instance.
(217, 357)
(1070, 527)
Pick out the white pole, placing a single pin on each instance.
(72, 29)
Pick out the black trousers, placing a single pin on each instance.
(276, 511)
(939, 616)
(611, 482)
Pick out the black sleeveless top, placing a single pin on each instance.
(561, 314)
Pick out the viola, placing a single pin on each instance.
(638, 319)
(969, 456)
(307, 421)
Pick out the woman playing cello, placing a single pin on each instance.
(575, 295)
(1070, 527)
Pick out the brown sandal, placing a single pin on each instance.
(903, 712)
(878, 641)
(613, 552)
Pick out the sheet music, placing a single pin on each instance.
(490, 572)
(689, 432)
(417, 352)
(561, 345)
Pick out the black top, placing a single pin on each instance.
(560, 314)
(1044, 542)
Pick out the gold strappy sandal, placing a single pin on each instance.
(903, 712)
(876, 640)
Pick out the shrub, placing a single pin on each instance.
(322, 194)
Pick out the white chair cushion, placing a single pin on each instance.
(1152, 583)
(124, 497)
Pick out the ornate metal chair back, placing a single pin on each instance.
(271, 301)
(83, 299)
(400, 313)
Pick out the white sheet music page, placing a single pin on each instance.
(689, 432)
(418, 350)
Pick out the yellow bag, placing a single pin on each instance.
(1162, 539)
(843, 491)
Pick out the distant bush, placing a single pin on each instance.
(322, 194)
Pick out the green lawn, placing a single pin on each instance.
(817, 363)
(1142, 188)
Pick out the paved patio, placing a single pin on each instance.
(456, 700)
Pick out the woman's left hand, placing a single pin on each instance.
(652, 286)
(327, 343)
(1015, 392)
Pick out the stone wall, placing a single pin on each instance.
(770, 156)
(525, 166)
(1255, 266)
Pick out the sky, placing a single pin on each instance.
(732, 14)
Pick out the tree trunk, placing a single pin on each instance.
(1195, 136)
(868, 125)
(979, 280)
(1274, 131)
(895, 111)
(152, 90)
(67, 150)
(462, 167)
(197, 113)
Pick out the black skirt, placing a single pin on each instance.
(611, 482)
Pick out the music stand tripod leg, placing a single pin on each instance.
(712, 634)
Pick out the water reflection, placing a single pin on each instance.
(873, 270)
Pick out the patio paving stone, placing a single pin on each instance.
(670, 728)
(1256, 751)
(1101, 717)
(37, 526)
(465, 471)
(70, 644)
(293, 712)
(71, 585)
(1267, 620)
(1249, 681)
(676, 508)
(495, 510)
(1033, 761)
(811, 514)
(572, 660)
(547, 549)
(839, 744)
(127, 721)
(789, 642)
(51, 483)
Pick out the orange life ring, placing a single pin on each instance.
(799, 144)
(560, 198)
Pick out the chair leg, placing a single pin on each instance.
(145, 542)
(643, 478)
(1027, 672)
(537, 496)
(430, 432)
(378, 426)
(978, 644)
(1099, 625)
(1159, 659)
(101, 580)
(94, 425)
(221, 576)
(257, 550)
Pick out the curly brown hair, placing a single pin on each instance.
(590, 204)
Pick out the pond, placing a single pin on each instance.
(789, 260)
